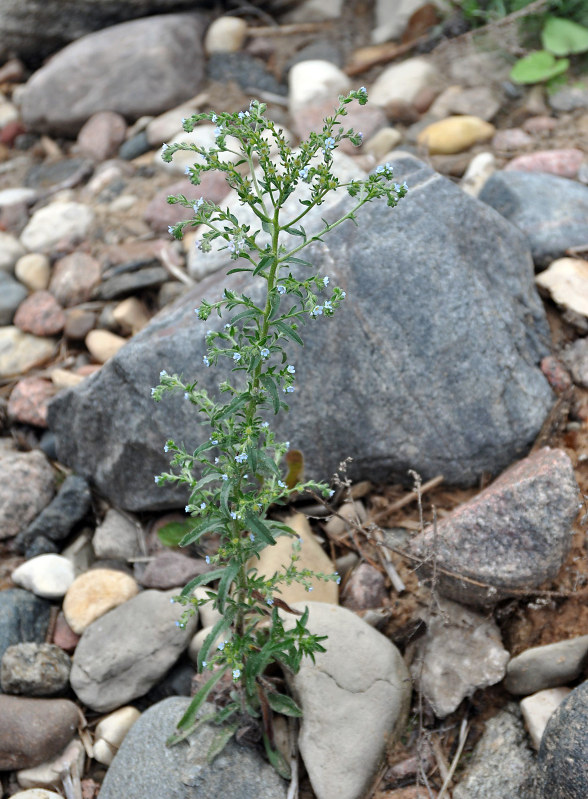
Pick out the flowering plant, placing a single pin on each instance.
(235, 477)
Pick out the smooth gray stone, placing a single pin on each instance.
(430, 364)
(141, 67)
(547, 666)
(145, 767)
(12, 293)
(551, 211)
(563, 755)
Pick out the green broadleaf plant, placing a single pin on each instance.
(236, 475)
(560, 37)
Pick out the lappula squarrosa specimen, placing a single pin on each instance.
(235, 477)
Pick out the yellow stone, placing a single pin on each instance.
(312, 557)
(93, 594)
(103, 344)
(455, 134)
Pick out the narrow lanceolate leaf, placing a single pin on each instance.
(190, 717)
(255, 524)
(286, 330)
(225, 493)
(228, 577)
(198, 531)
(220, 740)
(271, 388)
(281, 703)
(202, 579)
(277, 759)
(221, 625)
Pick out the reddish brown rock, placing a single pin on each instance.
(34, 731)
(30, 399)
(512, 536)
(40, 314)
(64, 636)
(564, 163)
(557, 374)
(74, 278)
(539, 124)
(102, 135)
(366, 588)
(78, 323)
(160, 214)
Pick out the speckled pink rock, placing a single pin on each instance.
(74, 278)
(513, 535)
(540, 124)
(102, 135)
(159, 214)
(40, 314)
(564, 163)
(511, 139)
(29, 401)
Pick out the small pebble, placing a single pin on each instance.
(111, 731)
(48, 576)
(40, 314)
(93, 594)
(32, 669)
(538, 708)
(103, 345)
(33, 271)
(225, 35)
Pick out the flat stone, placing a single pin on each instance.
(354, 700)
(313, 82)
(64, 173)
(74, 278)
(117, 537)
(562, 755)
(10, 251)
(476, 365)
(130, 282)
(569, 98)
(515, 534)
(20, 351)
(40, 314)
(36, 793)
(171, 569)
(12, 294)
(527, 199)
(59, 223)
(564, 163)
(402, 81)
(27, 485)
(502, 765)
(463, 644)
(160, 56)
(511, 139)
(311, 556)
(103, 345)
(48, 775)
(47, 576)
(181, 772)
(78, 323)
(23, 618)
(102, 135)
(34, 731)
(33, 669)
(93, 594)
(127, 651)
(538, 708)
(546, 666)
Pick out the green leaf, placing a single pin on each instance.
(257, 527)
(277, 759)
(538, 67)
(271, 388)
(294, 231)
(281, 703)
(224, 495)
(221, 625)
(220, 740)
(173, 533)
(228, 577)
(190, 717)
(233, 406)
(264, 261)
(197, 532)
(564, 37)
(287, 331)
(202, 579)
(176, 737)
(267, 465)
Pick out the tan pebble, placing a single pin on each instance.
(33, 271)
(63, 378)
(93, 594)
(49, 774)
(566, 280)
(455, 134)
(111, 731)
(312, 556)
(382, 142)
(198, 640)
(103, 344)
(78, 323)
(538, 708)
(131, 315)
(354, 512)
(225, 35)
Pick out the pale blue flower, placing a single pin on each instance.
(291, 369)
(218, 132)
(221, 646)
(197, 312)
(187, 509)
(281, 289)
(202, 505)
(213, 119)
(170, 229)
(156, 478)
(331, 492)
(329, 143)
(317, 310)
(303, 173)
(241, 458)
(269, 601)
(343, 295)
(153, 390)
(204, 664)
(288, 390)
(166, 448)
(265, 424)
(264, 352)
(224, 477)
(281, 484)
(233, 515)
(327, 305)
(206, 361)
(251, 537)
(162, 374)
(236, 674)
(237, 356)
(309, 588)
(325, 281)
(188, 170)
(207, 559)
(213, 440)
(198, 204)
(186, 395)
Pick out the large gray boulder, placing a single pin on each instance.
(33, 29)
(430, 365)
(141, 67)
